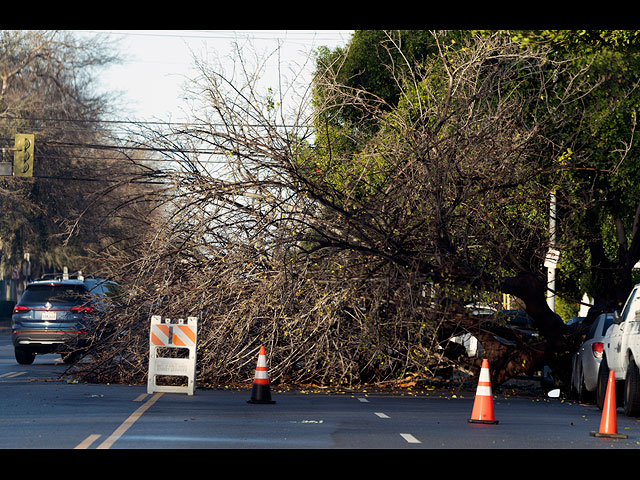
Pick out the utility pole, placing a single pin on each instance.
(552, 255)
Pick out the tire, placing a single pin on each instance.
(573, 392)
(24, 357)
(632, 390)
(603, 378)
(582, 394)
(573, 385)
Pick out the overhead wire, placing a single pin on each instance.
(288, 35)
(131, 147)
(149, 122)
(325, 35)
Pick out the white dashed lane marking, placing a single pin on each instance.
(12, 374)
(409, 438)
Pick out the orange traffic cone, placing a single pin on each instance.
(483, 403)
(261, 393)
(608, 423)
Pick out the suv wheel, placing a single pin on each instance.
(24, 357)
(632, 390)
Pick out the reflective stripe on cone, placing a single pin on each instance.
(260, 392)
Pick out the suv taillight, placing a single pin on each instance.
(597, 348)
(20, 309)
(81, 309)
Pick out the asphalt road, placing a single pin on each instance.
(40, 410)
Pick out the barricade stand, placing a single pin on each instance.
(172, 334)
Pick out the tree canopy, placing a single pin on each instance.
(350, 241)
(60, 216)
(591, 136)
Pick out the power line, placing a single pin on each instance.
(78, 120)
(123, 148)
(335, 35)
(103, 180)
(151, 122)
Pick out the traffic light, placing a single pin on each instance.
(23, 155)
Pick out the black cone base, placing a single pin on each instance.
(260, 394)
(608, 435)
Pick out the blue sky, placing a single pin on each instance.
(157, 62)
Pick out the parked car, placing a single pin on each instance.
(622, 355)
(575, 320)
(51, 317)
(470, 343)
(586, 361)
(517, 320)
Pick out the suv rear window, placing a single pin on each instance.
(54, 293)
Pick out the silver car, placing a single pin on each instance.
(586, 361)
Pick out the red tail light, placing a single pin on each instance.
(20, 309)
(82, 309)
(597, 348)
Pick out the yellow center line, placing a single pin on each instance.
(86, 443)
(128, 422)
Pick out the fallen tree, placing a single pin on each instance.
(349, 252)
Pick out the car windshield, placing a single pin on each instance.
(627, 306)
(55, 293)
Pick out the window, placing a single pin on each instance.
(627, 306)
(54, 293)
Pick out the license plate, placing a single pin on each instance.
(48, 315)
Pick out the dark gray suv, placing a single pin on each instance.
(51, 317)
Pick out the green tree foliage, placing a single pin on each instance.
(462, 111)
(370, 64)
(598, 206)
(593, 150)
(581, 41)
(481, 133)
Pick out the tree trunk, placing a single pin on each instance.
(558, 340)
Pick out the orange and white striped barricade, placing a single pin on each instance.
(172, 334)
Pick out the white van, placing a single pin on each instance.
(622, 355)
